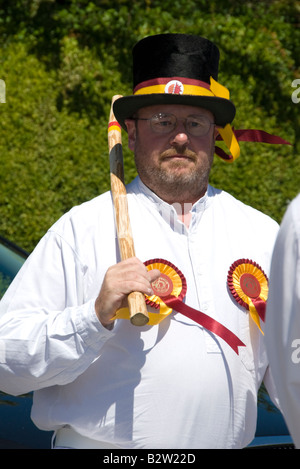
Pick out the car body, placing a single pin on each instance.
(271, 429)
(17, 431)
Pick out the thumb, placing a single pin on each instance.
(153, 275)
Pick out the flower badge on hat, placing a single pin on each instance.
(248, 285)
(168, 293)
(174, 87)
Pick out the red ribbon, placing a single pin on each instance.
(206, 321)
(260, 306)
(251, 135)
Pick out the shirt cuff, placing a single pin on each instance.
(90, 328)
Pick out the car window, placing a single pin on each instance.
(11, 260)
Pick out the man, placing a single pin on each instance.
(188, 379)
(283, 318)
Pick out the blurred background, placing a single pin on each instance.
(63, 60)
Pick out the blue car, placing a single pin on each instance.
(17, 431)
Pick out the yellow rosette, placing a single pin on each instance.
(170, 283)
(248, 285)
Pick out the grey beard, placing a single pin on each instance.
(174, 187)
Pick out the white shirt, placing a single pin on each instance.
(174, 385)
(283, 318)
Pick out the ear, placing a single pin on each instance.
(131, 130)
(216, 132)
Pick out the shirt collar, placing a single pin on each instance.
(167, 211)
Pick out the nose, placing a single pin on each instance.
(179, 136)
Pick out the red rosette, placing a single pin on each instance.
(171, 282)
(248, 285)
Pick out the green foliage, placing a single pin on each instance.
(62, 61)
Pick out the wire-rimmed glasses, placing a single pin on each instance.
(196, 125)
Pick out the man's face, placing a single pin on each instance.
(175, 164)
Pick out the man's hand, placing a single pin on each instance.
(120, 280)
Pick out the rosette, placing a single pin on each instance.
(248, 285)
(169, 291)
(171, 283)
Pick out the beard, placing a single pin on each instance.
(176, 180)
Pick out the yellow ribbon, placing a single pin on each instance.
(230, 141)
(226, 133)
(154, 318)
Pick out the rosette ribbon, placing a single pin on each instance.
(169, 291)
(248, 285)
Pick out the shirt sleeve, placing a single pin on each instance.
(49, 331)
(283, 319)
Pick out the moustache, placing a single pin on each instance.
(171, 153)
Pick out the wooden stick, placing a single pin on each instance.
(136, 300)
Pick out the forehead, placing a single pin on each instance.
(180, 110)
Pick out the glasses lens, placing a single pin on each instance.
(194, 125)
(197, 125)
(163, 123)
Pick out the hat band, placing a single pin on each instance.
(180, 85)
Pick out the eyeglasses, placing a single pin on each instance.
(197, 125)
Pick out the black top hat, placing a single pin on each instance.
(176, 69)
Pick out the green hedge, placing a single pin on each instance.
(62, 61)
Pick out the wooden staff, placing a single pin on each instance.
(136, 300)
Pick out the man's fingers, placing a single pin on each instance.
(120, 280)
(153, 275)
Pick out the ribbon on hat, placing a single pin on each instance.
(169, 291)
(226, 133)
(230, 136)
(248, 285)
(244, 135)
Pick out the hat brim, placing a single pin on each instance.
(222, 109)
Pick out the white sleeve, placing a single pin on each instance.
(49, 331)
(283, 319)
